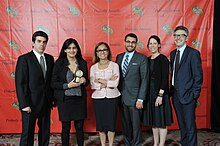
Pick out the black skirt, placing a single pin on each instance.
(106, 114)
(72, 108)
(160, 116)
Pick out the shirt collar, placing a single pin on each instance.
(38, 55)
(130, 54)
(181, 49)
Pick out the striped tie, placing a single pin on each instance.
(125, 65)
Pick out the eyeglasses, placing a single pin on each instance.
(179, 35)
(104, 50)
(132, 42)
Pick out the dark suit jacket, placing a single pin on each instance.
(134, 85)
(189, 75)
(31, 87)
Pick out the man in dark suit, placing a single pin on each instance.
(133, 87)
(32, 77)
(186, 83)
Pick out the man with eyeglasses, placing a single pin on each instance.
(133, 87)
(186, 82)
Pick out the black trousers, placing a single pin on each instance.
(28, 127)
(66, 132)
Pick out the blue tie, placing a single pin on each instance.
(125, 65)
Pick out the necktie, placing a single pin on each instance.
(125, 65)
(176, 66)
(42, 64)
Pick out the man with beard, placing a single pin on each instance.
(133, 87)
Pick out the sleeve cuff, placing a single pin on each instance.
(140, 100)
(65, 86)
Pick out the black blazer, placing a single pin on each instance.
(59, 78)
(31, 87)
(189, 75)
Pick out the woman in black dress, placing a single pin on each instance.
(69, 79)
(158, 113)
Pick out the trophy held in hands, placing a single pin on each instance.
(78, 75)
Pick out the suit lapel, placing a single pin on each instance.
(36, 62)
(173, 56)
(184, 56)
(120, 59)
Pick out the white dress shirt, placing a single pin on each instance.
(38, 58)
(181, 49)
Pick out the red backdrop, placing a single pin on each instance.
(92, 21)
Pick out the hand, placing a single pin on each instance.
(96, 80)
(113, 77)
(139, 104)
(73, 84)
(103, 83)
(82, 80)
(27, 109)
(158, 101)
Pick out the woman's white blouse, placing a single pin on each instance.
(111, 91)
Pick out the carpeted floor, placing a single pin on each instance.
(205, 138)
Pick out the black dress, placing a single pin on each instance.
(160, 116)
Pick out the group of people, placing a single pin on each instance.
(137, 85)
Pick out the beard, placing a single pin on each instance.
(130, 50)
